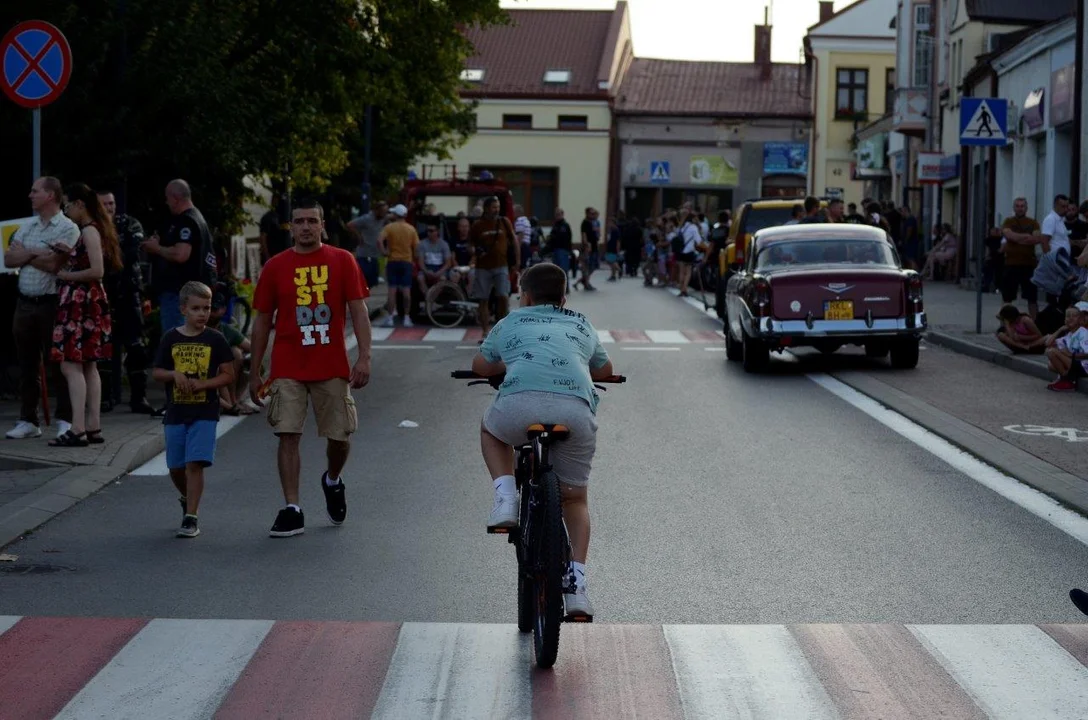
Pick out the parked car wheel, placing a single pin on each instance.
(719, 300)
(756, 355)
(905, 354)
(733, 350)
(876, 350)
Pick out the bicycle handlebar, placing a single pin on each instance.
(496, 380)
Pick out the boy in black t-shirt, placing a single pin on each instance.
(193, 361)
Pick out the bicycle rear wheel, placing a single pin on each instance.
(445, 304)
(548, 574)
(526, 591)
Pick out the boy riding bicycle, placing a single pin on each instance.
(551, 356)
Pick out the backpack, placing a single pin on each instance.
(679, 241)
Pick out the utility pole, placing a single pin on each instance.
(932, 144)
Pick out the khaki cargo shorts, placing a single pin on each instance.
(334, 408)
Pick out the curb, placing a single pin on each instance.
(28, 513)
(996, 357)
(1068, 489)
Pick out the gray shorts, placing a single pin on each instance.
(509, 417)
(486, 280)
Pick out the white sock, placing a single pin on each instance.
(579, 574)
(506, 486)
(331, 481)
(295, 507)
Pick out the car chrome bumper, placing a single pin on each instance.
(909, 326)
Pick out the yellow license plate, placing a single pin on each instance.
(839, 310)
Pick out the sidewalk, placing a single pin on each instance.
(951, 314)
(38, 482)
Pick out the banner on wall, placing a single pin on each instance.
(713, 170)
(785, 158)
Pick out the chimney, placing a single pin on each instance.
(827, 9)
(763, 46)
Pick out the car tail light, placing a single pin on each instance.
(914, 292)
(742, 246)
(763, 298)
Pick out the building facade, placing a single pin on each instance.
(543, 88)
(851, 56)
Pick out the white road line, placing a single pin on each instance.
(697, 303)
(444, 335)
(671, 337)
(1011, 671)
(457, 671)
(6, 621)
(643, 348)
(172, 669)
(714, 349)
(404, 347)
(156, 466)
(755, 671)
(1030, 499)
(606, 336)
(468, 347)
(377, 334)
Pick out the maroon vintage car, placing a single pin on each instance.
(823, 286)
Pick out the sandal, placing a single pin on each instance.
(69, 439)
(94, 437)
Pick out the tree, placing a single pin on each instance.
(218, 91)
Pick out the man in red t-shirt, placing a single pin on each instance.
(309, 290)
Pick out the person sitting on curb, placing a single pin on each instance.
(1069, 354)
(1018, 331)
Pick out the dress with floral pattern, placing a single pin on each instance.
(82, 330)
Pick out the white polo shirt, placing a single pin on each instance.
(1054, 226)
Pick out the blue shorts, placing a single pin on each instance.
(562, 259)
(369, 268)
(192, 443)
(398, 274)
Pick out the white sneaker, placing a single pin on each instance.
(389, 321)
(63, 426)
(408, 322)
(577, 604)
(23, 430)
(505, 512)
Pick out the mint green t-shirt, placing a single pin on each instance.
(546, 348)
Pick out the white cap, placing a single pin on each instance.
(1082, 306)
(399, 210)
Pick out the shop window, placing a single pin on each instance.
(851, 94)
(535, 189)
(573, 122)
(889, 92)
(517, 122)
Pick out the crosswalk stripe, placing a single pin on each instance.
(174, 669)
(673, 337)
(452, 335)
(379, 334)
(1012, 671)
(705, 337)
(630, 336)
(45, 661)
(457, 671)
(730, 671)
(6, 621)
(605, 336)
(308, 669)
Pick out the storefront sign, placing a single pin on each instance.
(929, 168)
(785, 158)
(950, 167)
(834, 193)
(1061, 95)
(872, 156)
(713, 170)
(1033, 109)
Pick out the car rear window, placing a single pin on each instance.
(758, 218)
(830, 251)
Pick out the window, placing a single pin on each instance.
(535, 189)
(889, 92)
(923, 47)
(851, 93)
(517, 122)
(559, 77)
(573, 122)
(472, 75)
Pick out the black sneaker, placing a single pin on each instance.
(335, 503)
(189, 527)
(289, 522)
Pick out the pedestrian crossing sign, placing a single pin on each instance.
(984, 121)
(659, 172)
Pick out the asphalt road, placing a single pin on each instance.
(717, 497)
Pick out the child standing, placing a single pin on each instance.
(193, 361)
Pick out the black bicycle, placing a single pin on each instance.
(540, 538)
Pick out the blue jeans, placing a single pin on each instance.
(170, 315)
(562, 259)
(368, 266)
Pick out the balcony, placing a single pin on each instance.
(909, 117)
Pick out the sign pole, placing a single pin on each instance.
(37, 165)
(980, 207)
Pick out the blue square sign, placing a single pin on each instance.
(984, 121)
(659, 172)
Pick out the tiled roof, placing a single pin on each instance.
(1020, 11)
(515, 57)
(681, 87)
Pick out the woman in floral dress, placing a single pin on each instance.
(81, 335)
